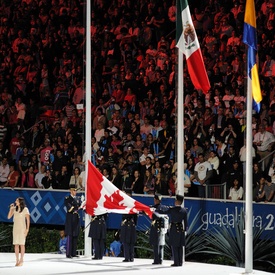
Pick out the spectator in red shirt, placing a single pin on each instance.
(130, 96)
(45, 152)
(14, 144)
(119, 94)
(13, 177)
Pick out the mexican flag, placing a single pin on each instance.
(188, 44)
(102, 196)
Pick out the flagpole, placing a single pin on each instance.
(253, 91)
(180, 112)
(248, 184)
(187, 44)
(88, 126)
(180, 133)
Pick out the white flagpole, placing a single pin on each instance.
(248, 184)
(180, 132)
(88, 127)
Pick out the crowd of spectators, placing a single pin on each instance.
(134, 63)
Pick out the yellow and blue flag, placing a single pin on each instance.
(250, 39)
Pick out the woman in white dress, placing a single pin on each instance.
(21, 226)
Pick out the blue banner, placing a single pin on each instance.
(47, 207)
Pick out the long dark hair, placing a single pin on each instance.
(77, 168)
(22, 204)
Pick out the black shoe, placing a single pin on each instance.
(94, 258)
(70, 257)
(76, 256)
(131, 260)
(126, 260)
(174, 265)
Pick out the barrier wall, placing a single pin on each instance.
(47, 207)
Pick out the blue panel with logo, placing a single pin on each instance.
(47, 207)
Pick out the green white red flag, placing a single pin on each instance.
(188, 44)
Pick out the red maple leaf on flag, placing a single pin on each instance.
(114, 199)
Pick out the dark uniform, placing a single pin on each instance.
(128, 235)
(72, 223)
(178, 215)
(98, 234)
(155, 232)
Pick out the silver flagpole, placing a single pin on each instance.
(180, 132)
(248, 184)
(88, 127)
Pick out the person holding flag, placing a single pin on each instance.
(178, 227)
(128, 234)
(72, 222)
(98, 234)
(155, 231)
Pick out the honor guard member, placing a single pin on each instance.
(178, 226)
(72, 223)
(155, 231)
(98, 234)
(128, 233)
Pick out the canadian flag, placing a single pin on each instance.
(104, 197)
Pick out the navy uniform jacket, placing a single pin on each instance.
(72, 223)
(177, 230)
(128, 232)
(98, 227)
(155, 227)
